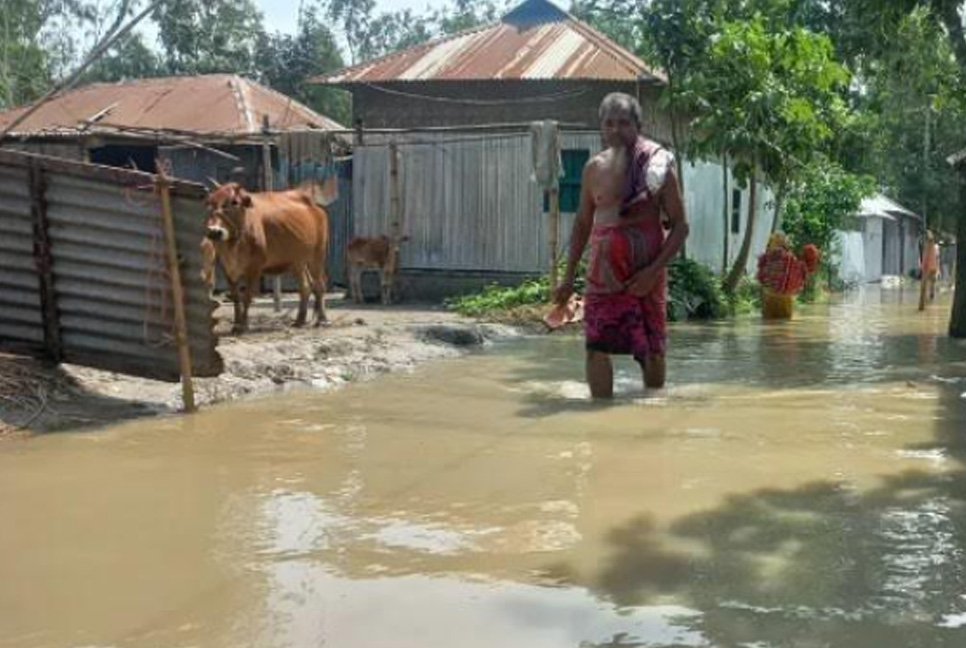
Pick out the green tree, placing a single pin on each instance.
(394, 31)
(905, 98)
(286, 62)
(206, 36)
(132, 58)
(623, 21)
(25, 60)
(353, 18)
(769, 101)
(466, 14)
(911, 109)
(822, 200)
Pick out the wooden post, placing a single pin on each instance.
(268, 184)
(554, 235)
(177, 295)
(395, 204)
(45, 264)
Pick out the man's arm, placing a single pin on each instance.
(580, 234)
(644, 281)
(677, 219)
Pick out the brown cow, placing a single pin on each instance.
(380, 253)
(269, 233)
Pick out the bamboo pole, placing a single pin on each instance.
(395, 204)
(177, 294)
(554, 236)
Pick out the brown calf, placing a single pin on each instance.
(269, 233)
(380, 253)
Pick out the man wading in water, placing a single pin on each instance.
(625, 191)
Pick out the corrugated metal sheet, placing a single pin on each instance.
(340, 224)
(469, 203)
(20, 317)
(216, 104)
(111, 292)
(536, 40)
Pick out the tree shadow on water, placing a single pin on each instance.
(824, 564)
(814, 566)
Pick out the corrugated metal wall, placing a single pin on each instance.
(340, 224)
(469, 202)
(20, 314)
(108, 303)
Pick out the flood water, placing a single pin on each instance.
(797, 485)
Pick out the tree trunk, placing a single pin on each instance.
(726, 213)
(957, 325)
(738, 270)
(678, 155)
(776, 222)
(949, 14)
(675, 138)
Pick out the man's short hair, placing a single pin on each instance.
(622, 102)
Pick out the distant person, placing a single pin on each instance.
(930, 264)
(629, 192)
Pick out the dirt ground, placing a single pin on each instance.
(359, 343)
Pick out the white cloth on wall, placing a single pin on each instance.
(545, 143)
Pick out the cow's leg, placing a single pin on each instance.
(253, 279)
(235, 292)
(302, 277)
(385, 283)
(319, 287)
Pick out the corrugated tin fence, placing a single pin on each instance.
(83, 275)
(469, 203)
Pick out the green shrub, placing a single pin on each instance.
(694, 292)
(495, 298)
(746, 298)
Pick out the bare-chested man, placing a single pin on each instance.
(629, 192)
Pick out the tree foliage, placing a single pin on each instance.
(286, 63)
(823, 198)
(206, 36)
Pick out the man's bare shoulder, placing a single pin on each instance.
(598, 162)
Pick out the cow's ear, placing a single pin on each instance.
(246, 201)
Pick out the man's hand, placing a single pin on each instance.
(563, 291)
(643, 282)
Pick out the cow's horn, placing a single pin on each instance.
(214, 183)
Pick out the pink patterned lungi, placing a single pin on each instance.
(615, 321)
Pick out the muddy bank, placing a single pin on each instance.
(360, 343)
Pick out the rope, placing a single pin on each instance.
(567, 94)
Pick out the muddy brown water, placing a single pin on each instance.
(798, 484)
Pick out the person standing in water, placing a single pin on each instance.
(629, 192)
(929, 266)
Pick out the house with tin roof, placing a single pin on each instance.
(204, 126)
(457, 112)
(538, 62)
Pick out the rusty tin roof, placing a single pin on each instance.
(535, 41)
(223, 105)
